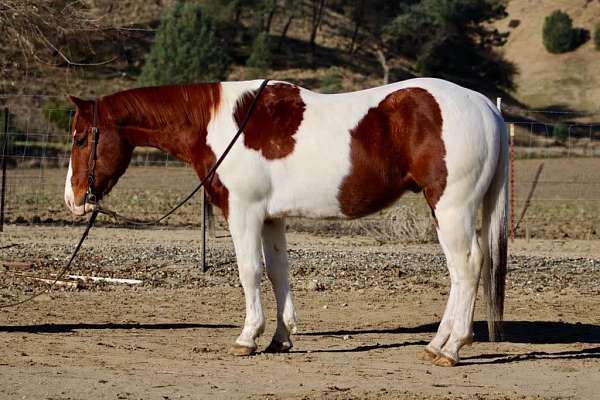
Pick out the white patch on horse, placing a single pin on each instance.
(69, 195)
(295, 185)
(472, 132)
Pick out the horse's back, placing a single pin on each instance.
(351, 154)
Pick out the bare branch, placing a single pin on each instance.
(68, 61)
(44, 29)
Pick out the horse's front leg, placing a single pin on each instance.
(276, 262)
(245, 225)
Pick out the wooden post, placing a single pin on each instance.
(4, 153)
(511, 191)
(203, 229)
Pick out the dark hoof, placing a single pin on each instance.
(278, 347)
(239, 350)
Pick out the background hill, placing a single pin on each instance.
(568, 81)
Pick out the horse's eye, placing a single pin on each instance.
(80, 141)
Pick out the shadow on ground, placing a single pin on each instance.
(64, 328)
(482, 359)
(527, 332)
(533, 332)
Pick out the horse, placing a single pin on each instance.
(315, 155)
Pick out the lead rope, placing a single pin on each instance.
(64, 269)
(114, 214)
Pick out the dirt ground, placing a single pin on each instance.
(365, 312)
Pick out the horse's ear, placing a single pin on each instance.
(83, 106)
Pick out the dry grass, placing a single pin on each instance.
(402, 224)
(565, 204)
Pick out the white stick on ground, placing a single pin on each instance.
(109, 280)
(65, 284)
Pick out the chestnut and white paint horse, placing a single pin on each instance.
(314, 155)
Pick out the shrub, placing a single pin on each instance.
(558, 33)
(58, 113)
(331, 82)
(2, 120)
(260, 59)
(560, 132)
(401, 224)
(14, 133)
(597, 36)
(186, 49)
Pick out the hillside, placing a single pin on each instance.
(569, 81)
(564, 81)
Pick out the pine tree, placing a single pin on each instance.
(558, 33)
(260, 59)
(452, 38)
(59, 113)
(186, 49)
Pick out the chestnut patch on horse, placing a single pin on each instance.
(172, 118)
(396, 146)
(275, 120)
(175, 119)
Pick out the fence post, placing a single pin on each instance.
(4, 152)
(203, 229)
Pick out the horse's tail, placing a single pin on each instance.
(494, 232)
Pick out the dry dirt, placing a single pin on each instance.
(359, 336)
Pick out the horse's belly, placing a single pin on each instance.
(312, 201)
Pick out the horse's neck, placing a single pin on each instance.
(178, 142)
(177, 125)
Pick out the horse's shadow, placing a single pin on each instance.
(533, 332)
(527, 332)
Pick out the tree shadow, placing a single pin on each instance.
(296, 53)
(67, 328)
(561, 108)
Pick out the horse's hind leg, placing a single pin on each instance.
(276, 262)
(465, 260)
(245, 225)
(434, 349)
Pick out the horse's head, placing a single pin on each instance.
(113, 154)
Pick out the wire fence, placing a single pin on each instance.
(564, 203)
(37, 157)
